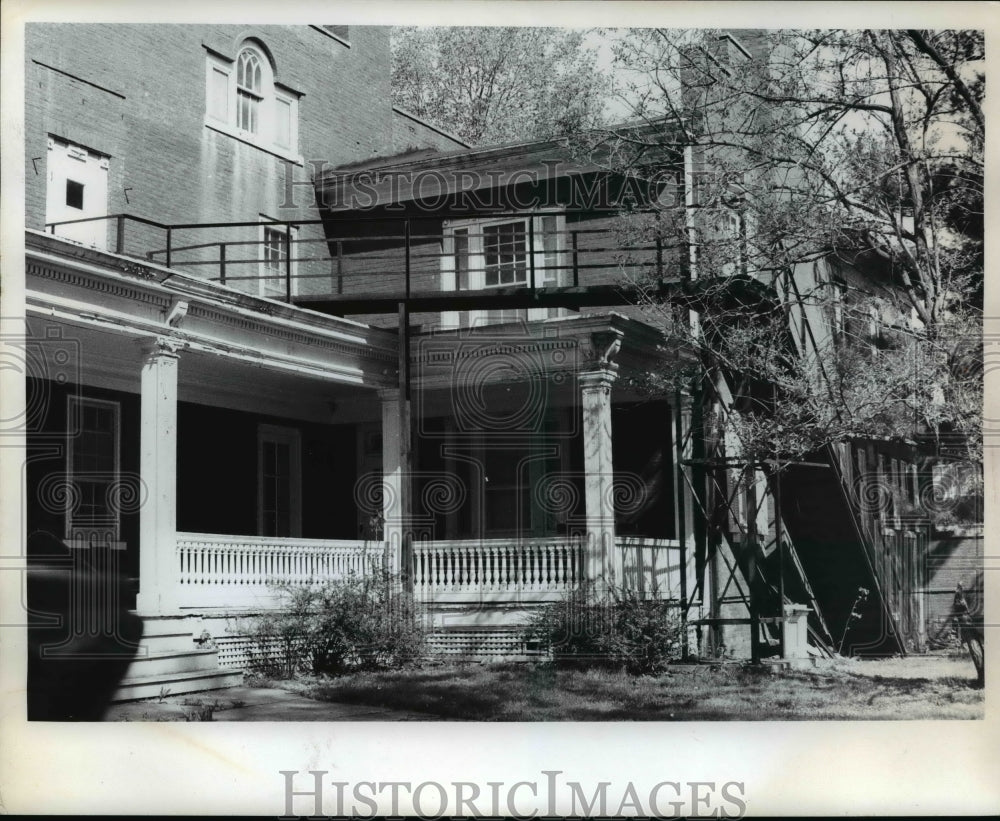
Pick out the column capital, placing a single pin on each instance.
(162, 346)
(597, 378)
(604, 346)
(389, 394)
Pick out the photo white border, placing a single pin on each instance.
(853, 768)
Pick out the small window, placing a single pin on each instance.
(74, 194)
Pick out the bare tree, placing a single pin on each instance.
(858, 152)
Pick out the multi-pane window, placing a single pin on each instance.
(93, 467)
(248, 91)
(274, 255)
(505, 253)
(276, 241)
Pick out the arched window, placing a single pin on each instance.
(244, 99)
(249, 93)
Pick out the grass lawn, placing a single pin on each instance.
(918, 687)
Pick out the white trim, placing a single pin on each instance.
(291, 437)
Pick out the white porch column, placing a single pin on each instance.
(601, 561)
(158, 569)
(396, 478)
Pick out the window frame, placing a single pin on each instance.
(73, 530)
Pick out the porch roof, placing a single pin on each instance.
(145, 301)
(424, 174)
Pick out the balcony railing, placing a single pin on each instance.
(341, 259)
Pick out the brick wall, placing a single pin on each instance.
(409, 133)
(137, 93)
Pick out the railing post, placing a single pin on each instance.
(406, 243)
(576, 261)
(169, 238)
(222, 263)
(340, 267)
(120, 234)
(288, 264)
(531, 251)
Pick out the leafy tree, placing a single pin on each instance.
(495, 85)
(855, 150)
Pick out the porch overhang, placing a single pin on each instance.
(110, 294)
(547, 348)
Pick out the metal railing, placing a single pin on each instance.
(398, 256)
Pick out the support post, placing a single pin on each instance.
(600, 561)
(158, 569)
(396, 477)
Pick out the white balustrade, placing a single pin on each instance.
(236, 571)
(497, 566)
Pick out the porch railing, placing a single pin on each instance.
(236, 571)
(223, 571)
(497, 566)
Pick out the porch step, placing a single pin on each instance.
(166, 635)
(174, 684)
(177, 661)
(169, 662)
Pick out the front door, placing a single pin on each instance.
(77, 188)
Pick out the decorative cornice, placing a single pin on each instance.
(226, 311)
(93, 282)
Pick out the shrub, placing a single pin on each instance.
(361, 622)
(620, 629)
